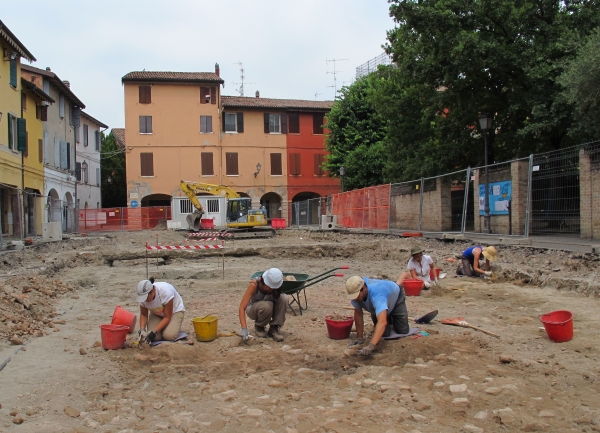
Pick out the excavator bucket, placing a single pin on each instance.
(193, 220)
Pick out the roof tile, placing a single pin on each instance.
(172, 76)
(119, 134)
(249, 102)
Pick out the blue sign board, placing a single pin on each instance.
(500, 194)
(134, 203)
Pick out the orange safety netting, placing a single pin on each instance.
(115, 219)
(366, 208)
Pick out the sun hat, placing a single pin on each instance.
(143, 288)
(489, 253)
(416, 250)
(273, 278)
(353, 286)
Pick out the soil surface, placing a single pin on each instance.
(56, 377)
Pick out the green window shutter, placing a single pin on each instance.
(21, 135)
(13, 73)
(10, 132)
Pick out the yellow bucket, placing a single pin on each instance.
(205, 327)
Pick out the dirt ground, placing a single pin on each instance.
(53, 297)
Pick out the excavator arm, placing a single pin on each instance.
(191, 188)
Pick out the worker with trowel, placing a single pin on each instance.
(386, 302)
(161, 311)
(470, 265)
(264, 303)
(419, 267)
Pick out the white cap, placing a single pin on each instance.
(273, 278)
(143, 288)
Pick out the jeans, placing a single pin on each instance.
(397, 318)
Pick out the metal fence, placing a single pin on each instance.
(307, 212)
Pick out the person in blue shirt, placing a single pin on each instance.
(470, 266)
(386, 302)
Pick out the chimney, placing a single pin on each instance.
(67, 83)
(217, 70)
(257, 94)
(48, 68)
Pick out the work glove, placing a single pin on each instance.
(244, 334)
(356, 342)
(427, 284)
(367, 350)
(142, 335)
(488, 273)
(150, 337)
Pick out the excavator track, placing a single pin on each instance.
(233, 234)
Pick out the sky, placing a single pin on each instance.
(284, 45)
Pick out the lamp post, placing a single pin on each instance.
(258, 167)
(485, 123)
(342, 174)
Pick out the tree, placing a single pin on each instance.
(114, 193)
(581, 82)
(355, 138)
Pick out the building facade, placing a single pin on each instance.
(13, 133)
(179, 127)
(87, 166)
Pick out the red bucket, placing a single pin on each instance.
(437, 273)
(558, 325)
(113, 336)
(123, 317)
(207, 223)
(412, 286)
(339, 329)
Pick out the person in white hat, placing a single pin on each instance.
(386, 302)
(264, 303)
(470, 261)
(161, 311)
(419, 266)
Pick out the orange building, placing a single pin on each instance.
(179, 127)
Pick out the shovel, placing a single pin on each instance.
(460, 321)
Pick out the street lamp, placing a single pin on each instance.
(485, 123)
(342, 174)
(258, 167)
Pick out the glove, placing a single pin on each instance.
(150, 337)
(142, 335)
(244, 334)
(427, 284)
(436, 281)
(356, 342)
(488, 273)
(367, 350)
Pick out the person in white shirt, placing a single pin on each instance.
(161, 311)
(419, 267)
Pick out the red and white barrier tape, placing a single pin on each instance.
(202, 240)
(183, 247)
(212, 233)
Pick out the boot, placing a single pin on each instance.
(275, 334)
(260, 331)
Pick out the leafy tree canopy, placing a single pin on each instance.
(114, 193)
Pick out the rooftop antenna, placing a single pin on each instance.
(242, 76)
(335, 71)
(316, 95)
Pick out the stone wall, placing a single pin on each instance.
(589, 192)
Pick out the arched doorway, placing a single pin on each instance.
(54, 207)
(68, 213)
(156, 200)
(271, 201)
(306, 208)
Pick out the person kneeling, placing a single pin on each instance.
(161, 311)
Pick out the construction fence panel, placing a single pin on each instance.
(366, 208)
(307, 212)
(100, 220)
(507, 194)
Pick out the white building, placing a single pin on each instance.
(87, 166)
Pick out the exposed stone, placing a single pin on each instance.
(277, 384)
(255, 413)
(535, 426)
(16, 340)
(506, 359)
(493, 390)
(472, 428)
(547, 414)
(82, 351)
(225, 396)
(365, 401)
(368, 383)
(458, 389)
(421, 406)
(482, 415)
(418, 417)
(18, 420)
(71, 411)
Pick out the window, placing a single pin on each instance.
(85, 135)
(24, 101)
(98, 176)
(208, 95)
(206, 124)
(12, 132)
(231, 164)
(145, 94)
(64, 155)
(61, 106)
(46, 85)
(276, 164)
(318, 121)
(97, 140)
(207, 163)
(295, 164)
(13, 72)
(275, 123)
(233, 122)
(85, 172)
(294, 123)
(78, 171)
(147, 163)
(44, 113)
(319, 159)
(145, 124)
(41, 150)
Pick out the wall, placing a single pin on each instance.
(176, 141)
(89, 192)
(589, 191)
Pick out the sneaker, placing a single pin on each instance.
(275, 334)
(260, 331)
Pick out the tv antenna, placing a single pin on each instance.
(242, 76)
(335, 72)
(316, 95)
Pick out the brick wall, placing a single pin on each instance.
(589, 193)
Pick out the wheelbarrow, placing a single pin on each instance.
(296, 288)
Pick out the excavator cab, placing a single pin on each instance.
(239, 210)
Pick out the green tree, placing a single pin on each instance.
(356, 134)
(114, 193)
(581, 82)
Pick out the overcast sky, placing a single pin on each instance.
(282, 44)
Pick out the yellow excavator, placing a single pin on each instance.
(240, 216)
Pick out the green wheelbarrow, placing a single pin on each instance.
(296, 288)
